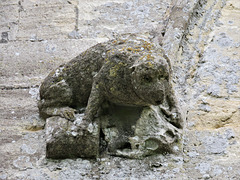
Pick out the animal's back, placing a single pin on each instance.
(71, 83)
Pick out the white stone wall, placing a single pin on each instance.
(43, 34)
(39, 35)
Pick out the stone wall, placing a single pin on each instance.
(210, 65)
(39, 35)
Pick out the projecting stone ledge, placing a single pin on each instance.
(66, 139)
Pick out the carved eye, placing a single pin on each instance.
(162, 74)
(147, 78)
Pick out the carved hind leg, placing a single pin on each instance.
(56, 100)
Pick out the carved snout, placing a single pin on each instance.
(157, 97)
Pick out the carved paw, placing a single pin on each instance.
(85, 123)
(68, 113)
(165, 111)
(173, 116)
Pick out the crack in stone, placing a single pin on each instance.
(17, 87)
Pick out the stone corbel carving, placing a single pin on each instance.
(118, 92)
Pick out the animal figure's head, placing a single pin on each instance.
(150, 80)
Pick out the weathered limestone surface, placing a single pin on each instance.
(210, 64)
(64, 139)
(37, 36)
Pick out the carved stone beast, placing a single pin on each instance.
(127, 71)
